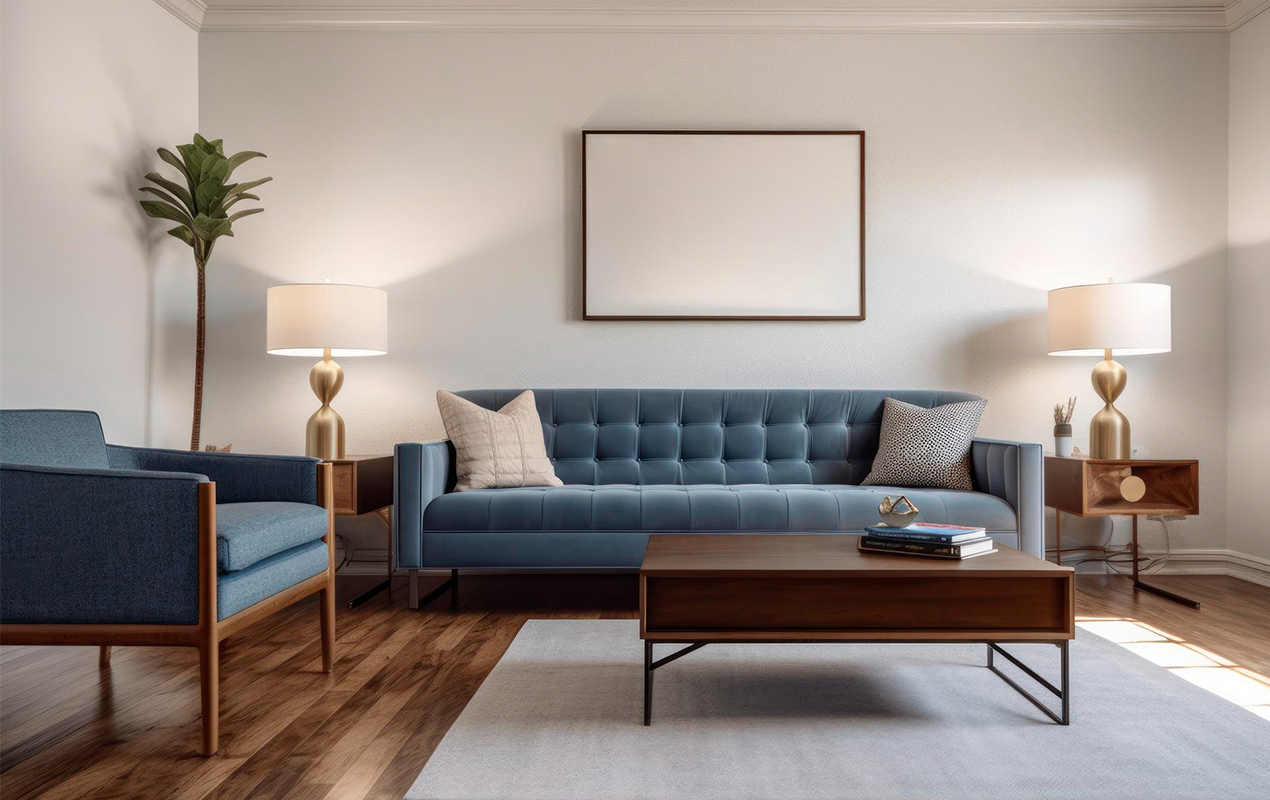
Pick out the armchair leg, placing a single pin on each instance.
(209, 678)
(326, 600)
(103, 656)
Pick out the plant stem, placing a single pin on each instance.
(200, 339)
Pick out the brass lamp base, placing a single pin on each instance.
(324, 434)
(1109, 430)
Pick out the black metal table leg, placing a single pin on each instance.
(1063, 693)
(1146, 587)
(369, 593)
(650, 665)
(648, 683)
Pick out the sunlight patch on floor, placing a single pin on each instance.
(1205, 669)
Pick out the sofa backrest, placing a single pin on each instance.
(52, 438)
(711, 436)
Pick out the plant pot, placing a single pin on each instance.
(1063, 440)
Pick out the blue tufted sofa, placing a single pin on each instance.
(641, 461)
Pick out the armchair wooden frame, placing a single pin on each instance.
(209, 632)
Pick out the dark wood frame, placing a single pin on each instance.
(773, 318)
(819, 588)
(209, 632)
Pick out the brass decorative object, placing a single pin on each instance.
(324, 433)
(1133, 488)
(893, 516)
(1126, 319)
(1109, 430)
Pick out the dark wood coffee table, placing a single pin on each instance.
(799, 588)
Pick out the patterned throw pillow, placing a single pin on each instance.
(925, 446)
(496, 449)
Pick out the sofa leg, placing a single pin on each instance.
(209, 678)
(103, 656)
(326, 600)
(414, 588)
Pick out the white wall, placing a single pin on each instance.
(89, 89)
(1248, 289)
(445, 168)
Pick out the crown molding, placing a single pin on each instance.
(302, 18)
(191, 12)
(1242, 11)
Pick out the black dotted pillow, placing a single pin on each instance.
(925, 446)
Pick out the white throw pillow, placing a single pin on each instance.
(925, 446)
(496, 449)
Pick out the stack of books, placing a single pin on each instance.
(928, 539)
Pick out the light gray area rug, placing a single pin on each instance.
(559, 718)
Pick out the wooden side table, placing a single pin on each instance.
(1104, 487)
(363, 484)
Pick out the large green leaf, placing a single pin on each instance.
(206, 227)
(161, 210)
(218, 146)
(239, 188)
(194, 158)
(237, 159)
(170, 157)
(241, 196)
(176, 189)
(247, 212)
(203, 144)
(161, 195)
(183, 233)
(210, 193)
(214, 166)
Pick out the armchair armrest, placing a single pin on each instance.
(421, 472)
(239, 477)
(99, 546)
(1014, 471)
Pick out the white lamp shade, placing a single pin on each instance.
(304, 319)
(1130, 319)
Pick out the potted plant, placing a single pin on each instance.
(201, 208)
(1063, 428)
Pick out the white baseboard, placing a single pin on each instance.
(1216, 562)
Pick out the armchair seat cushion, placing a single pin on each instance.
(236, 591)
(249, 532)
(703, 508)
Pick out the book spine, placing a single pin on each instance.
(926, 548)
(915, 537)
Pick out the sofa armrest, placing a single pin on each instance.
(421, 472)
(239, 477)
(99, 546)
(1014, 471)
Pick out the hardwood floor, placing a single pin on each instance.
(71, 730)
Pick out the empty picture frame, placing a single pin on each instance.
(751, 225)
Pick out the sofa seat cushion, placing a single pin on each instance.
(249, 532)
(704, 508)
(246, 587)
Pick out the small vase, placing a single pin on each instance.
(1063, 440)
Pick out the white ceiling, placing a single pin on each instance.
(947, 16)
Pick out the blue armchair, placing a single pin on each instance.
(105, 545)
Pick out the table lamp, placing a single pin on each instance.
(1110, 319)
(326, 320)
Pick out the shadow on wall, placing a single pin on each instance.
(118, 185)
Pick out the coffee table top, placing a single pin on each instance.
(818, 555)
